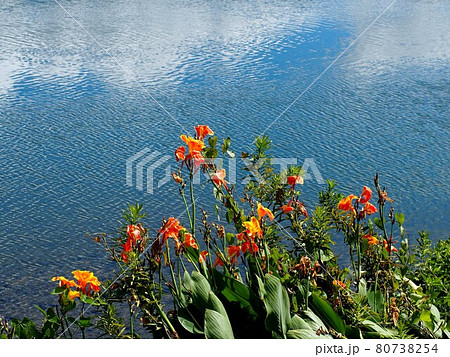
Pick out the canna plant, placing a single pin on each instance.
(262, 266)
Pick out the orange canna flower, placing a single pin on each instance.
(365, 195)
(73, 294)
(84, 278)
(233, 250)
(202, 257)
(63, 282)
(219, 178)
(287, 208)
(263, 211)
(189, 241)
(371, 239)
(193, 144)
(293, 180)
(339, 284)
(124, 256)
(346, 203)
(253, 228)
(171, 229)
(249, 246)
(202, 131)
(369, 208)
(180, 153)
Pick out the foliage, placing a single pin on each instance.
(269, 272)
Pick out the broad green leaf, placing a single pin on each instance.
(276, 301)
(400, 218)
(326, 313)
(188, 321)
(382, 332)
(314, 322)
(217, 326)
(376, 300)
(233, 290)
(198, 286)
(297, 323)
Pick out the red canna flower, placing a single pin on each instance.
(124, 256)
(389, 246)
(189, 241)
(287, 208)
(218, 262)
(263, 211)
(233, 252)
(202, 257)
(365, 195)
(133, 233)
(293, 180)
(180, 153)
(171, 229)
(241, 237)
(202, 131)
(219, 178)
(249, 246)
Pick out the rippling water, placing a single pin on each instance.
(70, 115)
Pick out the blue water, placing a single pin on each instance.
(70, 115)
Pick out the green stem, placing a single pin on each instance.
(187, 208)
(191, 187)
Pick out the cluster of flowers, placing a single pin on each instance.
(134, 239)
(346, 204)
(247, 237)
(173, 229)
(194, 157)
(85, 282)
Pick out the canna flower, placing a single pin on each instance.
(180, 153)
(189, 241)
(263, 211)
(233, 252)
(73, 294)
(134, 233)
(365, 195)
(218, 262)
(287, 208)
(293, 180)
(202, 257)
(84, 278)
(219, 178)
(253, 228)
(249, 246)
(241, 237)
(202, 131)
(339, 284)
(171, 229)
(371, 239)
(346, 203)
(63, 282)
(369, 208)
(193, 144)
(389, 246)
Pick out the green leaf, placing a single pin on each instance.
(376, 300)
(380, 223)
(234, 291)
(198, 287)
(400, 218)
(326, 313)
(188, 321)
(381, 332)
(217, 326)
(425, 316)
(83, 322)
(230, 238)
(297, 323)
(276, 301)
